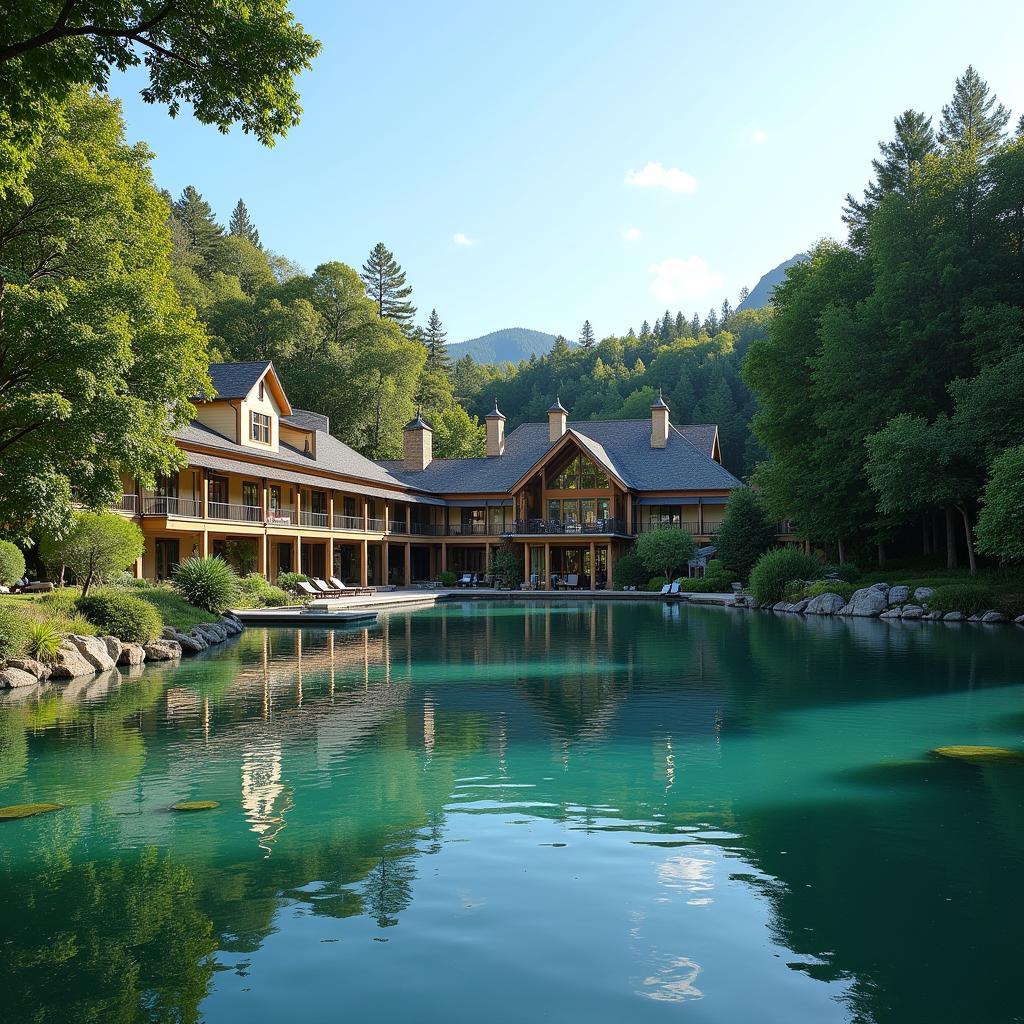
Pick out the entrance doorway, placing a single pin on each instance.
(168, 556)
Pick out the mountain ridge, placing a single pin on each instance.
(507, 345)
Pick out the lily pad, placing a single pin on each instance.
(15, 811)
(989, 755)
(195, 805)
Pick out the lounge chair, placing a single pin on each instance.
(467, 579)
(665, 589)
(674, 589)
(308, 589)
(571, 581)
(354, 591)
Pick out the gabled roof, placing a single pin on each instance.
(236, 380)
(701, 435)
(624, 445)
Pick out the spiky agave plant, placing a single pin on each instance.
(208, 583)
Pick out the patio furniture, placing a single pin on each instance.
(571, 582)
(665, 589)
(308, 589)
(345, 588)
(467, 579)
(674, 589)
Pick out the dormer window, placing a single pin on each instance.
(259, 426)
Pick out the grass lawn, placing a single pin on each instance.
(174, 610)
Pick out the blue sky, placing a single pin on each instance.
(536, 164)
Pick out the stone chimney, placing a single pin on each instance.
(557, 416)
(495, 431)
(418, 440)
(659, 422)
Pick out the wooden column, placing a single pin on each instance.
(547, 566)
(526, 563)
(205, 543)
(487, 556)
(366, 516)
(298, 553)
(444, 557)
(593, 566)
(330, 513)
(261, 557)
(330, 556)
(408, 563)
(363, 558)
(385, 571)
(206, 495)
(609, 567)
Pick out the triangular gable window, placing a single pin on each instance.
(580, 473)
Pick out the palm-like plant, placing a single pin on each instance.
(208, 583)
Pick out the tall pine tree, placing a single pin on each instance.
(385, 284)
(196, 217)
(973, 120)
(241, 225)
(695, 325)
(434, 338)
(587, 339)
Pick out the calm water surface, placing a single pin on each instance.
(600, 813)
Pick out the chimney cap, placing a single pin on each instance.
(558, 407)
(496, 413)
(659, 402)
(419, 423)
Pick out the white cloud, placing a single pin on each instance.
(654, 175)
(632, 234)
(460, 239)
(677, 278)
(758, 135)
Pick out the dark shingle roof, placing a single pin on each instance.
(622, 445)
(306, 420)
(236, 380)
(702, 435)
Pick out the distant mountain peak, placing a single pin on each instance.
(761, 294)
(509, 345)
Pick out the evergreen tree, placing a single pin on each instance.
(912, 142)
(196, 217)
(744, 294)
(385, 284)
(434, 338)
(973, 120)
(746, 532)
(695, 326)
(711, 323)
(666, 327)
(656, 332)
(726, 311)
(241, 225)
(682, 327)
(645, 331)
(587, 339)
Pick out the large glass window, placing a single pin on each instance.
(578, 511)
(579, 474)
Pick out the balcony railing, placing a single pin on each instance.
(397, 526)
(562, 527)
(157, 505)
(318, 520)
(375, 525)
(126, 503)
(709, 528)
(348, 522)
(426, 529)
(467, 530)
(282, 516)
(234, 513)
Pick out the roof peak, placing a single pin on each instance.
(419, 423)
(495, 413)
(558, 407)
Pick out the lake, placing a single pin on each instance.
(565, 812)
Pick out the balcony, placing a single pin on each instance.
(348, 522)
(234, 513)
(375, 525)
(426, 529)
(709, 528)
(157, 505)
(126, 503)
(317, 520)
(397, 526)
(467, 530)
(559, 527)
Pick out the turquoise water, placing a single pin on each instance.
(600, 813)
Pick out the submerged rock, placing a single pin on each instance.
(968, 752)
(15, 811)
(195, 805)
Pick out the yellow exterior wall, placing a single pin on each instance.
(250, 404)
(219, 416)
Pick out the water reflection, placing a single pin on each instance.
(741, 751)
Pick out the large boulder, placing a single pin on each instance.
(10, 678)
(953, 617)
(898, 595)
(131, 654)
(210, 632)
(232, 623)
(923, 594)
(884, 587)
(993, 617)
(190, 643)
(70, 663)
(31, 666)
(912, 611)
(163, 650)
(1019, 620)
(933, 616)
(94, 650)
(867, 602)
(113, 646)
(891, 613)
(824, 604)
(801, 606)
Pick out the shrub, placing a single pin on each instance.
(14, 633)
(173, 609)
(746, 532)
(12, 563)
(98, 546)
(776, 570)
(630, 572)
(208, 583)
(507, 565)
(719, 583)
(275, 597)
(655, 583)
(819, 587)
(1011, 605)
(287, 580)
(845, 571)
(665, 550)
(969, 598)
(61, 602)
(256, 592)
(123, 615)
(44, 640)
(447, 578)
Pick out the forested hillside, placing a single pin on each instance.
(509, 345)
(891, 382)
(697, 365)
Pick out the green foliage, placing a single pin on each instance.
(123, 615)
(819, 587)
(666, 549)
(44, 640)
(630, 571)
(241, 556)
(776, 570)
(175, 610)
(287, 580)
(12, 563)
(845, 571)
(447, 578)
(1000, 528)
(968, 598)
(507, 565)
(654, 584)
(257, 592)
(14, 632)
(97, 547)
(385, 285)
(457, 435)
(208, 583)
(227, 68)
(746, 532)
